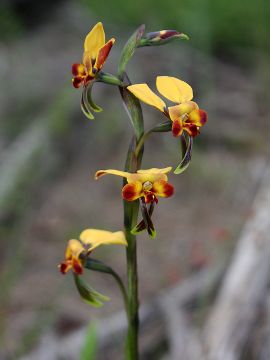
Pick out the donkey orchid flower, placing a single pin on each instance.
(185, 116)
(78, 250)
(95, 54)
(147, 184)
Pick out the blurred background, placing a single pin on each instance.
(49, 153)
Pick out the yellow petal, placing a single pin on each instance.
(156, 171)
(145, 94)
(176, 111)
(74, 249)
(94, 40)
(174, 89)
(100, 173)
(94, 238)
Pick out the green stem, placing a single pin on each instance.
(131, 209)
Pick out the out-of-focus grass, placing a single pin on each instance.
(214, 25)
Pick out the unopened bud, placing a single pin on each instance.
(161, 37)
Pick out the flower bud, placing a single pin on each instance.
(161, 37)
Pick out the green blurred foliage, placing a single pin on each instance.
(213, 25)
(10, 23)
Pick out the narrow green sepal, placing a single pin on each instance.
(187, 153)
(97, 265)
(86, 109)
(141, 226)
(87, 96)
(129, 49)
(163, 127)
(147, 219)
(88, 294)
(109, 79)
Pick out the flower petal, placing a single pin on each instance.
(77, 81)
(94, 40)
(177, 127)
(174, 112)
(87, 62)
(132, 191)
(74, 249)
(174, 89)
(65, 266)
(162, 188)
(100, 173)
(145, 94)
(78, 70)
(197, 117)
(155, 171)
(94, 238)
(192, 129)
(103, 54)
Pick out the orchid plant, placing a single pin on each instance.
(141, 188)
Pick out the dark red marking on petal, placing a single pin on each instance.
(77, 81)
(150, 197)
(168, 33)
(177, 127)
(162, 188)
(78, 70)
(192, 129)
(131, 192)
(103, 54)
(63, 267)
(77, 267)
(203, 116)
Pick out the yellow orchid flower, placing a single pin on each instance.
(185, 116)
(78, 250)
(95, 54)
(147, 184)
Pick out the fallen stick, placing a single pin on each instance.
(245, 285)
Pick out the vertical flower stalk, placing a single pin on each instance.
(133, 163)
(141, 188)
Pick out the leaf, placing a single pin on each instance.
(129, 49)
(89, 350)
(187, 153)
(88, 294)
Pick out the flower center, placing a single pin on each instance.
(147, 186)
